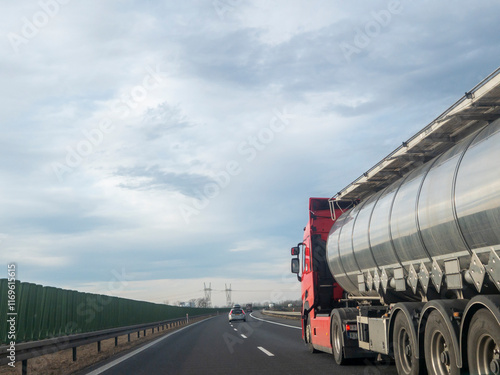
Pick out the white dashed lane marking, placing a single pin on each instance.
(265, 351)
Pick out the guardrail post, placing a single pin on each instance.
(116, 341)
(25, 367)
(138, 334)
(128, 337)
(98, 346)
(187, 318)
(144, 333)
(74, 354)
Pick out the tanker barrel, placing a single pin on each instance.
(426, 231)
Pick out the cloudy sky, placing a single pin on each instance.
(148, 147)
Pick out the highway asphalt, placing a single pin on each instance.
(261, 345)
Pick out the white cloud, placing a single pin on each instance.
(222, 81)
(250, 245)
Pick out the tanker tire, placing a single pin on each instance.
(405, 348)
(482, 342)
(439, 350)
(310, 346)
(337, 341)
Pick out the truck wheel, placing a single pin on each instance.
(405, 347)
(483, 344)
(337, 340)
(310, 346)
(439, 350)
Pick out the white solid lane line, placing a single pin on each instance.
(127, 356)
(279, 324)
(265, 351)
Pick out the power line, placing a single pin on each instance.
(247, 291)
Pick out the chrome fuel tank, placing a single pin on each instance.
(436, 228)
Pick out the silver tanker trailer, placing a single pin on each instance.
(415, 246)
(427, 246)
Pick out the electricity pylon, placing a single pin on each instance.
(208, 294)
(228, 295)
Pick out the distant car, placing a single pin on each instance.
(249, 307)
(237, 314)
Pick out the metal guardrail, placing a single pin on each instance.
(32, 349)
(283, 314)
(36, 312)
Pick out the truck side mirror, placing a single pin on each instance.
(295, 266)
(295, 250)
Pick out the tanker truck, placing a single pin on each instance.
(404, 262)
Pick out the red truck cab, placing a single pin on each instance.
(320, 292)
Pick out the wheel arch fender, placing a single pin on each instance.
(412, 311)
(305, 315)
(346, 313)
(490, 302)
(446, 308)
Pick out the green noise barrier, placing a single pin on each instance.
(43, 312)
